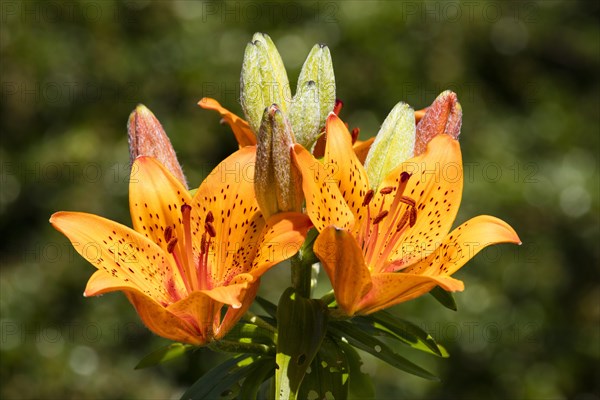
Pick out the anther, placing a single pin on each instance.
(380, 217)
(209, 227)
(171, 244)
(387, 190)
(413, 217)
(209, 217)
(168, 233)
(368, 197)
(402, 222)
(408, 200)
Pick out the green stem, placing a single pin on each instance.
(301, 274)
(258, 321)
(238, 347)
(328, 298)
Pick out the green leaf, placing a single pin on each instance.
(255, 378)
(328, 373)
(223, 381)
(405, 331)
(360, 385)
(363, 341)
(247, 332)
(445, 298)
(161, 355)
(269, 307)
(302, 325)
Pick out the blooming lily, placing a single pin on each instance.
(390, 244)
(187, 256)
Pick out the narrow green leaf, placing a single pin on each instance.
(161, 355)
(366, 342)
(256, 378)
(445, 298)
(360, 384)
(222, 382)
(408, 332)
(302, 324)
(266, 305)
(246, 332)
(328, 373)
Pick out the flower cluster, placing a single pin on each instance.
(381, 210)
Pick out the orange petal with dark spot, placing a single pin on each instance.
(436, 187)
(130, 258)
(324, 201)
(343, 166)
(155, 201)
(228, 194)
(343, 261)
(463, 243)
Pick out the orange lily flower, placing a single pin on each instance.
(186, 256)
(386, 245)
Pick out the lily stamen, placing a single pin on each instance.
(189, 254)
(380, 217)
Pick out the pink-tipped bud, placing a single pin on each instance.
(443, 116)
(148, 138)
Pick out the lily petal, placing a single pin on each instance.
(155, 200)
(342, 164)
(233, 315)
(343, 261)
(397, 287)
(464, 243)
(282, 237)
(240, 128)
(166, 323)
(102, 282)
(126, 255)
(228, 194)
(232, 293)
(324, 202)
(436, 187)
(362, 147)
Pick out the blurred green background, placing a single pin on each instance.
(526, 74)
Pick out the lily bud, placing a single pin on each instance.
(443, 116)
(316, 98)
(305, 114)
(394, 143)
(148, 138)
(263, 80)
(277, 182)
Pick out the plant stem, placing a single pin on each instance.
(238, 347)
(258, 321)
(301, 274)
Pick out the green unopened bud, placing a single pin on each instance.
(263, 80)
(305, 115)
(393, 144)
(315, 96)
(277, 182)
(148, 138)
(443, 116)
